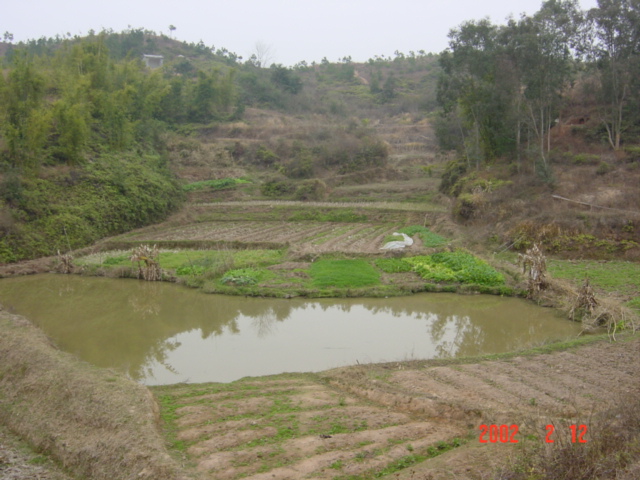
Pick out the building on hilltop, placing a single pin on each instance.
(153, 61)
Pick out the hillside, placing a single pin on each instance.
(239, 178)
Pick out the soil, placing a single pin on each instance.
(361, 419)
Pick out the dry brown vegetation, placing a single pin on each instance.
(94, 422)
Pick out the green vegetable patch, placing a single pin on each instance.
(343, 273)
(455, 267)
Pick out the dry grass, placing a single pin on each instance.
(95, 422)
(611, 448)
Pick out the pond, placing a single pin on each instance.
(161, 333)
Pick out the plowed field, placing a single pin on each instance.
(363, 421)
(316, 236)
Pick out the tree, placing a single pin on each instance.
(263, 54)
(286, 79)
(616, 50)
(171, 30)
(8, 37)
(25, 117)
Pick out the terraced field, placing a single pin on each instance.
(375, 421)
(320, 237)
(312, 227)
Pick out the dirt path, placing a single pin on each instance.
(363, 419)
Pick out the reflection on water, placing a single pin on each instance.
(160, 333)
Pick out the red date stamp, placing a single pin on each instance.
(507, 433)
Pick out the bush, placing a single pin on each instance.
(277, 188)
(454, 171)
(314, 189)
(468, 206)
(603, 168)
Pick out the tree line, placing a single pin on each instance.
(504, 87)
(66, 106)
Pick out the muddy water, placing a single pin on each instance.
(161, 333)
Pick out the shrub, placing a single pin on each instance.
(277, 188)
(468, 206)
(603, 168)
(314, 189)
(454, 171)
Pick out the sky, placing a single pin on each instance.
(289, 30)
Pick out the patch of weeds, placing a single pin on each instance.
(219, 184)
(337, 465)
(429, 239)
(245, 276)
(168, 407)
(612, 276)
(392, 265)
(343, 273)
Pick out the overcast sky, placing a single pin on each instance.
(294, 30)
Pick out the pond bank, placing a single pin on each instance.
(95, 422)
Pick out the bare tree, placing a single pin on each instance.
(264, 54)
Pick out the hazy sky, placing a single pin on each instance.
(294, 30)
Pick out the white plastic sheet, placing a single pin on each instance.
(398, 244)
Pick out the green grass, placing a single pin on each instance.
(246, 276)
(343, 274)
(615, 277)
(190, 261)
(392, 265)
(429, 239)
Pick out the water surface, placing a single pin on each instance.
(160, 333)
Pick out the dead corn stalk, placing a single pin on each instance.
(535, 263)
(65, 264)
(147, 259)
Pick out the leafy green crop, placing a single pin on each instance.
(455, 267)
